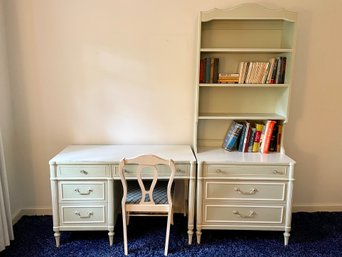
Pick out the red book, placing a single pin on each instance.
(267, 137)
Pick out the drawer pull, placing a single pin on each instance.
(84, 193)
(253, 191)
(250, 215)
(219, 171)
(84, 172)
(90, 213)
(277, 172)
(126, 171)
(180, 171)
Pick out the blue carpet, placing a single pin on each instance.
(313, 234)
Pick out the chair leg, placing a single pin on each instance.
(124, 226)
(169, 217)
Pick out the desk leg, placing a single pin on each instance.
(111, 211)
(191, 204)
(199, 204)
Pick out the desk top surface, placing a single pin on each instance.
(114, 153)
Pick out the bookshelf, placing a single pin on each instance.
(255, 34)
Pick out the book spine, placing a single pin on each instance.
(242, 136)
(207, 70)
(267, 137)
(202, 71)
(247, 137)
(273, 142)
(251, 140)
(216, 71)
(232, 136)
(257, 137)
(280, 131)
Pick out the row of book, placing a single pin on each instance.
(245, 136)
(209, 70)
(272, 72)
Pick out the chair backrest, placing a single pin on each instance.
(152, 163)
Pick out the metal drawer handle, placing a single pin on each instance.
(126, 171)
(85, 193)
(90, 213)
(250, 215)
(180, 170)
(277, 172)
(219, 171)
(84, 172)
(253, 191)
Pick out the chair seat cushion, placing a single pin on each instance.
(159, 192)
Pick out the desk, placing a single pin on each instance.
(86, 187)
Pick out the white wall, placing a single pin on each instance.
(105, 71)
(6, 121)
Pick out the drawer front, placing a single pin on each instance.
(245, 171)
(83, 214)
(82, 171)
(80, 191)
(244, 214)
(182, 170)
(265, 191)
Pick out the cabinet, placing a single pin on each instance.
(243, 190)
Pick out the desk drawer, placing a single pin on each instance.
(244, 214)
(182, 170)
(81, 191)
(245, 171)
(265, 191)
(82, 171)
(83, 214)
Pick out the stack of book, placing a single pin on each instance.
(272, 72)
(208, 70)
(228, 78)
(245, 136)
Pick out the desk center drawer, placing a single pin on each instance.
(221, 190)
(182, 170)
(90, 191)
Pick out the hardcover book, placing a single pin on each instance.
(232, 135)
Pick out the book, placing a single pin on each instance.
(215, 70)
(265, 144)
(251, 140)
(202, 71)
(273, 141)
(279, 135)
(258, 130)
(241, 138)
(232, 135)
(246, 137)
(207, 70)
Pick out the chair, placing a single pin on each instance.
(144, 200)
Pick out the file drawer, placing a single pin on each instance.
(224, 190)
(244, 214)
(245, 171)
(82, 191)
(83, 214)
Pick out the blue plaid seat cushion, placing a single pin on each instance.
(159, 192)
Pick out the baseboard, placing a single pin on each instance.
(31, 212)
(316, 208)
(295, 208)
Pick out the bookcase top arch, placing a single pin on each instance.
(248, 11)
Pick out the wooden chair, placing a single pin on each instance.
(140, 200)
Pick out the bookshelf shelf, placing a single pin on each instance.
(246, 50)
(245, 85)
(245, 43)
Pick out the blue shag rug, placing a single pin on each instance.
(313, 234)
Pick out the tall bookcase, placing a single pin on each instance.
(238, 190)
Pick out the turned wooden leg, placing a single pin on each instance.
(57, 235)
(286, 237)
(198, 234)
(111, 237)
(190, 234)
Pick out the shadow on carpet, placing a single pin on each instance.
(313, 234)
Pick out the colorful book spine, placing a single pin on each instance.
(273, 142)
(232, 135)
(279, 135)
(258, 130)
(251, 140)
(202, 71)
(267, 136)
(242, 136)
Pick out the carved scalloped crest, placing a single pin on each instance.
(248, 11)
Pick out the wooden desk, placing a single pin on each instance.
(85, 186)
